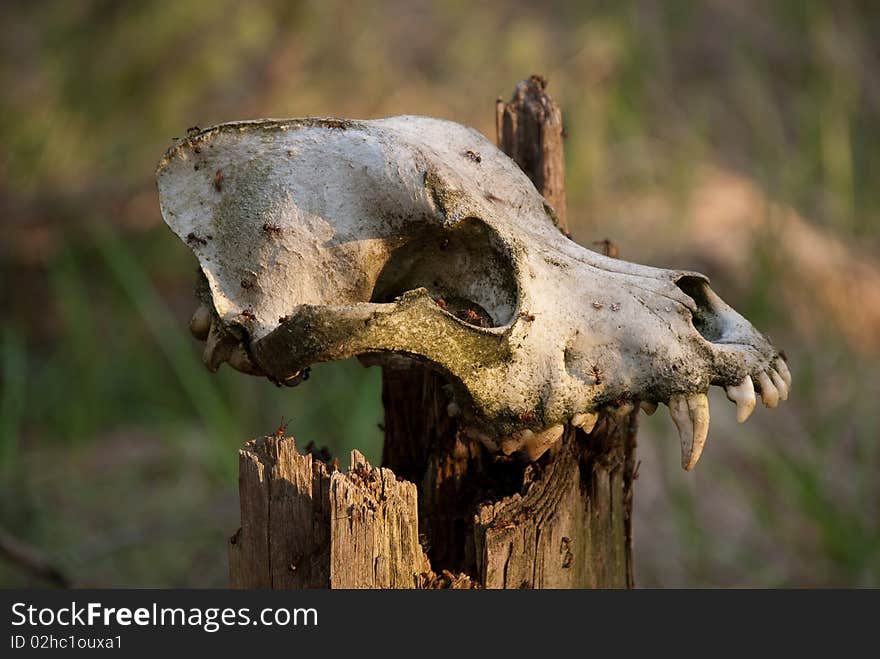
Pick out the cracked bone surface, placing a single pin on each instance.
(413, 238)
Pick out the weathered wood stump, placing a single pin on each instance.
(307, 526)
(462, 517)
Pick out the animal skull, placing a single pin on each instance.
(413, 238)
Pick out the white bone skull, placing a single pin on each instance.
(413, 238)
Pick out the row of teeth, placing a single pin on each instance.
(690, 414)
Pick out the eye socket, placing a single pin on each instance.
(706, 319)
(464, 268)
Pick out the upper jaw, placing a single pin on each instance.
(655, 336)
(704, 342)
(746, 372)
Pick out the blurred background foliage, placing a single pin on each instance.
(738, 138)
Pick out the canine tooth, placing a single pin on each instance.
(539, 442)
(200, 323)
(769, 393)
(743, 394)
(782, 368)
(586, 421)
(779, 383)
(648, 408)
(690, 414)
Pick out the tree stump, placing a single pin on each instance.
(564, 521)
(307, 526)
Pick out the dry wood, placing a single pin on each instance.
(529, 130)
(571, 526)
(306, 527)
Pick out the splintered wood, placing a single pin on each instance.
(529, 130)
(306, 527)
(570, 526)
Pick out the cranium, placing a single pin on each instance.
(413, 238)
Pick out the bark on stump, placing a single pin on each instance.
(564, 521)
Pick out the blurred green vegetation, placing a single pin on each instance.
(118, 449)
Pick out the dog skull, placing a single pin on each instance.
(413, 238)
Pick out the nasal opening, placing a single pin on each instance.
(706, 318)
